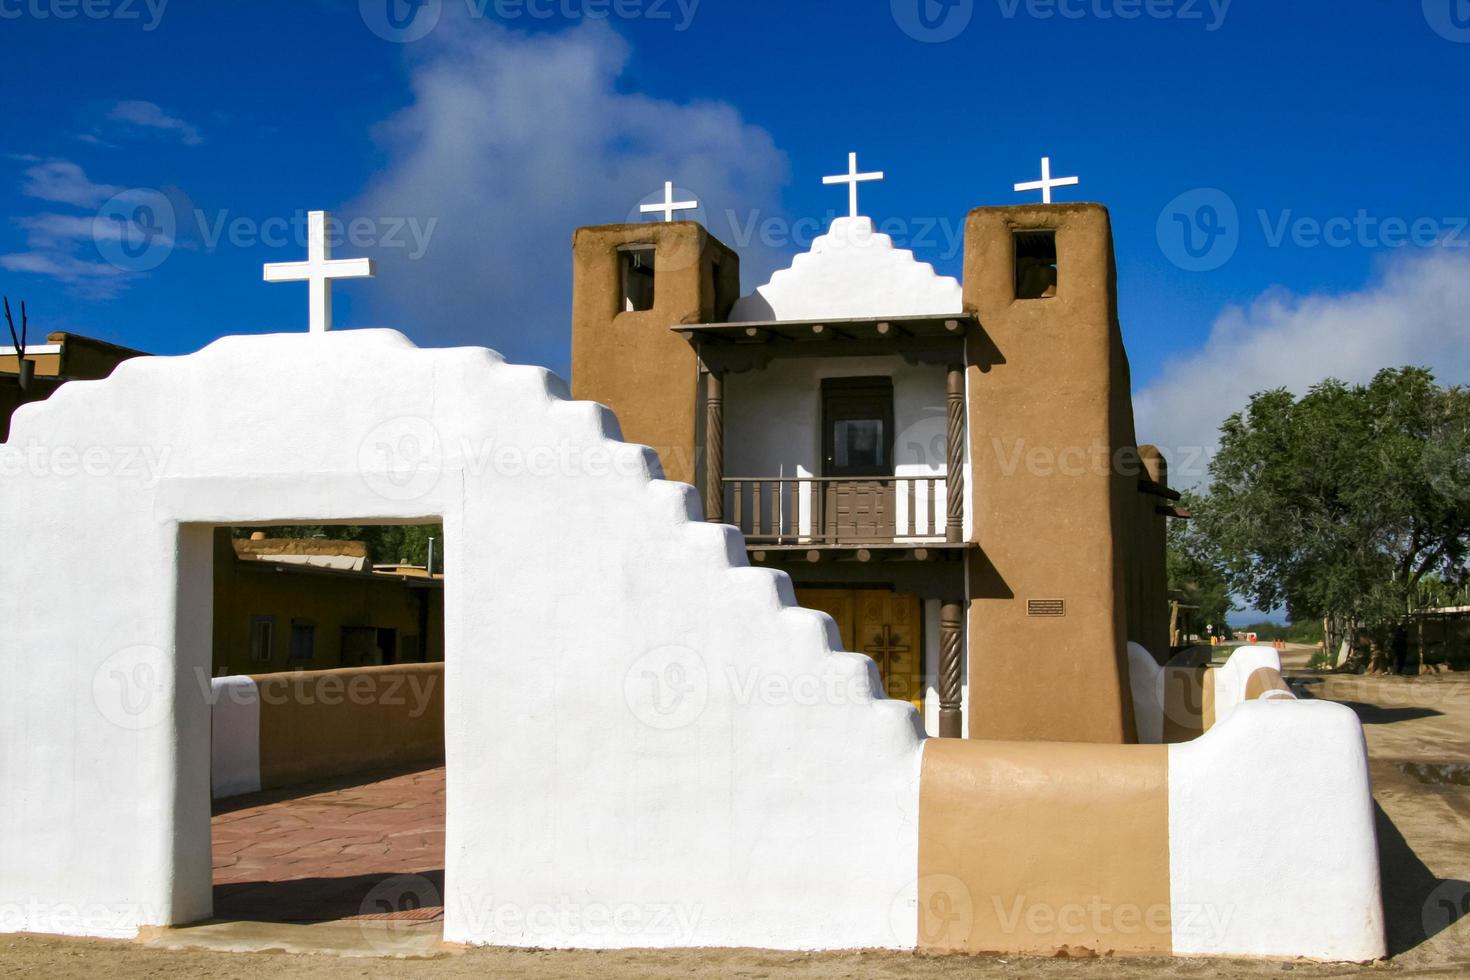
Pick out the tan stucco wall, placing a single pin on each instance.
(325, 724)
(327, 600)
(1044, 848)
(634, 362)
(1146, 567)
(1048, 384)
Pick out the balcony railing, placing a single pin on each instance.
(837, 511)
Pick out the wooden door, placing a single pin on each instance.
(840, 604)
(857, 442)
(885, 626)
(888, 630)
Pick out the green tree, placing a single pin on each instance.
(1196, 572)
(387, 544)
(1338, 504)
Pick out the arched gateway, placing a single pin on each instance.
(626, 723)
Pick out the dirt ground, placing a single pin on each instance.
(1418, 732)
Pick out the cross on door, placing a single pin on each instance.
(885, 648)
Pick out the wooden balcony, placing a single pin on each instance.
(838, 513)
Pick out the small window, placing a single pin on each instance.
(303, 641)
(635, 265)
(262, 635)
(1036, 264)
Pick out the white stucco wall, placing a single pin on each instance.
(1272, 849)
(234, 766)
(773, 426)
(628, 764)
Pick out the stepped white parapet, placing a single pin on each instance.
(853, 271)
(647, 743)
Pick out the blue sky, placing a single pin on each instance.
(473, 152)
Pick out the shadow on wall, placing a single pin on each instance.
(1417, 904)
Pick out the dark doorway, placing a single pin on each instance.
(857, 427)
(857, 459)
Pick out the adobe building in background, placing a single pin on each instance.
(64, 357)
(949, 469)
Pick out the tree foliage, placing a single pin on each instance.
(387, 544)
(1195, 572)
(1341, 504)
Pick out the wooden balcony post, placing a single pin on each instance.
(714, 447)
(951, 649)
(954, 531)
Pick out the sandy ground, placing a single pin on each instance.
(1418, 732)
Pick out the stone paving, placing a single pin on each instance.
(322, 853)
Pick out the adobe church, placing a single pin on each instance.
(948, 469)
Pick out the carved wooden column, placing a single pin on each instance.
(954, 477)
(714, 447)
(951, 650)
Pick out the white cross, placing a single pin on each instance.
(852, 178)
(319, 270)
(1045, 184)
(669, 205)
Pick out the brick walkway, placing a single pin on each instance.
(314, 854)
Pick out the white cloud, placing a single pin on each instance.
(97, 280)
(512, 142)
(1416, 311)
(148, 115)
(64, 182)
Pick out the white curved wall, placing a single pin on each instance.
(615, 780)
(1272, 847)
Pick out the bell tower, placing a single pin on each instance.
(630, 285)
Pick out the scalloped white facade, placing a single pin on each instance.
(853, 271)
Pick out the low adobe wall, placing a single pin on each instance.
(1173, 704)
(273, 730)
(1213, 847)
